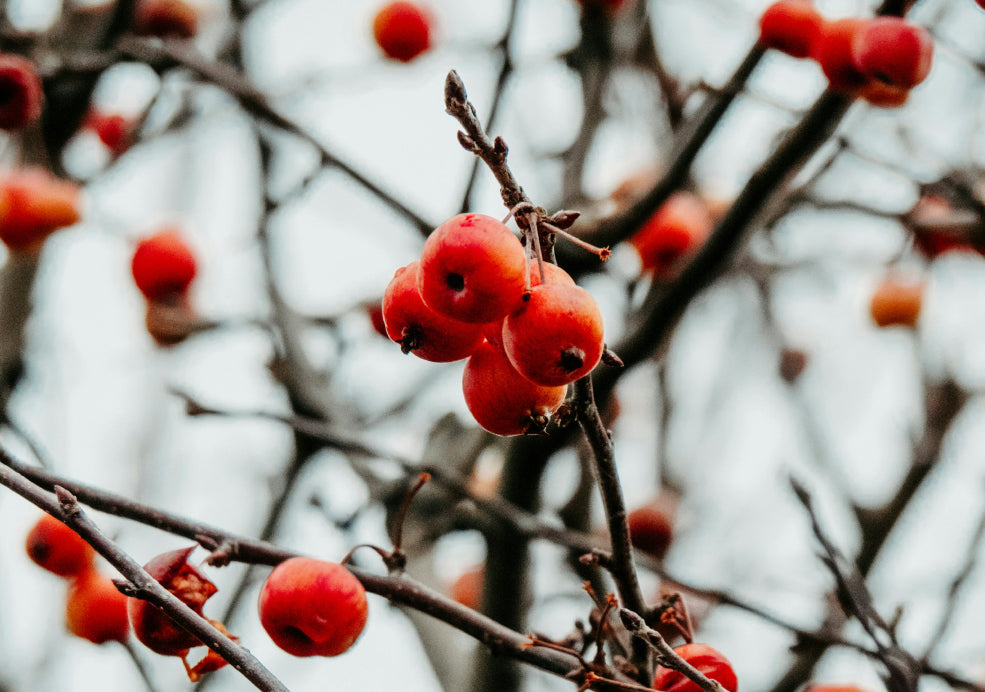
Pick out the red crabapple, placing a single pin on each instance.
(96, 610)
(675, 230)
(467, 588)
(402, 30)
(791, 26)
(163, 265)
(493, 331)
(58, 548)
(153, 627)
(20, 92)
(710, 662)
(166, 19)
(555, 337)
(113, 130)
(893, 51)
(651, 529)
(419, 329)
(34, 204)
(311, 607)
(502, 400)
(896, 302)
(833, 52)
(472, 269)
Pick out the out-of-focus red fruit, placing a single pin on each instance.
(170, 323)
(419, 329)
(374, 311)
(152, 627)
(472, 269)
(884, 95)
(678, 228)
(402, 30)
(20, 92)
(897, 302)
(893, 51)
(96, 610)
(932, 221)
(34, 204)
(791, 26)
(651, 529)
(166, 19)
(502, 400)
(467, 588)
(792, 364)
(833, 51)
(113, 130)
(710, 662)
(312, 608)
(555, 337)
(59, 549)
(163, 266)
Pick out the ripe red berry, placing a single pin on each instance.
(96, 610)
(419, 329)
(651, 530)
(472, 269)
(678, 227)
(59, 549)
(502, 400)
(555, 337)
(402, 30)
(710, 662)
(20, 92)
(884, 95)
(112, 129)
(34, 204)
(312, 608)
(374, 310)
(467, 588)
(893, 51)
(791, 26)
(833, 52)
(163, 266)
(493, 331)
(166, 19)
(896, 302)
(152, 627)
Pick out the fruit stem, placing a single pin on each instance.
(603, 253)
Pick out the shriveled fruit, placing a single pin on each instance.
(152, 627)
(312, 607)
(419, 329)
(502, 400)
(556, 336)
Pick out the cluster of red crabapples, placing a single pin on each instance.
(475, 294)
(163, 268)
(878, 59)
(94, 608)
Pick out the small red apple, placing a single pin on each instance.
(402, 30)
(96, 610)
(790, 26)
(163, 265)
(59, 549)
(893, 51)
(311, 607)
(710, 662)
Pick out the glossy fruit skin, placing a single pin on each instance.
(163, 265)
(312, 607)
(151, 626)
(20, 92)
(58, 549)
(165, 19)
(678, 227)
(893, 51)
(419, 329)
(833, 51)
(555, 337)
(707, 660)
(493, 331)
(402, 30)
(790, 26)
(472, 269)
(34, 204)
(96, 610)
(502, 400)
(896, 302)
(651, 530)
